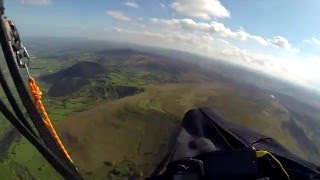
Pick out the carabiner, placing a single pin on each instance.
(23, 58)
(21, 53)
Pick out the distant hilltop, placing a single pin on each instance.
(70, 80)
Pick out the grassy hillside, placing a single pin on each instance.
(120, 122)
(128, 128)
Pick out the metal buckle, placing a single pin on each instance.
(21, 53)
(23, 58)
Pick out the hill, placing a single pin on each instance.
(79, 70)
(139, 128)
(69, 80)
(118, 109)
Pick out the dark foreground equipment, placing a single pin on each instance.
(38, 129)
(209, 147)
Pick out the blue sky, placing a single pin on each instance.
(277, 37)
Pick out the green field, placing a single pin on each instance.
(122, 122)
(134, 121)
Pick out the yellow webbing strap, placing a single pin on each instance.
(37, 96)
(262, 153)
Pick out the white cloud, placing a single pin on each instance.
(241, 34)
(132, 4)
(211, 28)
(217, 28)
(190, 24)
(205, 9)
(314, 59)
(260, 39)
(118, 15)
(201, 44)
(36, 2)
(316, 41)
(162, 5)
(173, 39)
(212, 46)
(313, 41)
(282, 42)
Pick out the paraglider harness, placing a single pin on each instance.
(210, 147)
(39, 131)
(207, 146)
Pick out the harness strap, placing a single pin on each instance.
(37, 94)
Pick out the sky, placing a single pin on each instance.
(281, 38)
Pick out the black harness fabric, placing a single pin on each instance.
(197, 136)
(28, 103)
(251, 138)
(39, 145)
(14, 103)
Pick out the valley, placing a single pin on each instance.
(118, 109)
